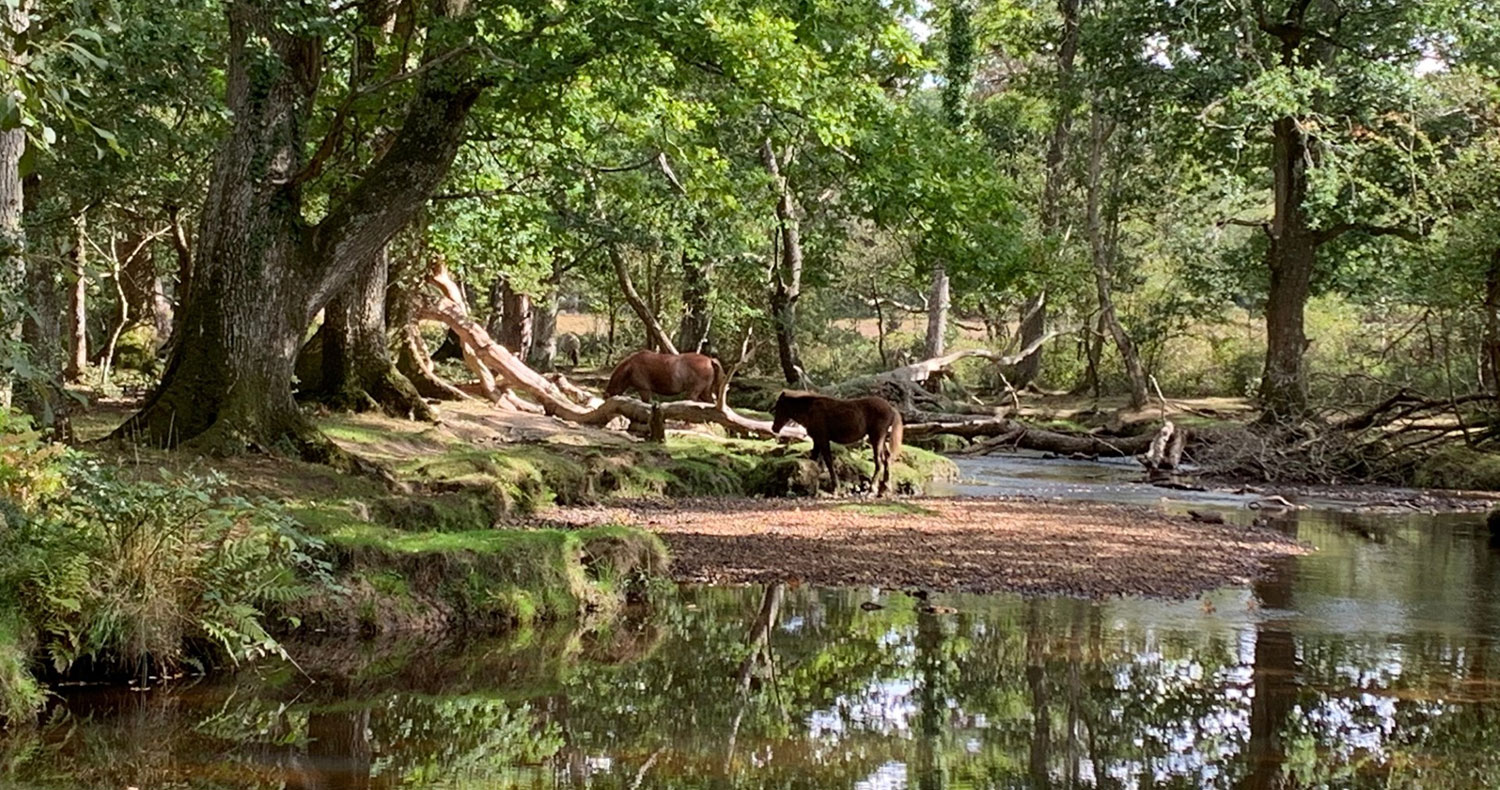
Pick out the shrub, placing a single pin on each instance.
(129, 574)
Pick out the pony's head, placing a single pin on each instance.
(619, 379)
(781, 413)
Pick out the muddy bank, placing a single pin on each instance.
(1089, 550)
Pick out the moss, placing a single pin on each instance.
(940, 443)
(1460, 467)
(136, 349)
(790, 471)
(490, 578)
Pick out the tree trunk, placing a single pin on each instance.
(1034, 321)
(12, 237)
(1104, 252)
(1491, 357)
(260, 274)
(544, 327)
(516, 319)
(655, 335)
(937, 314)
(43, 397)
(697, 313)
(1290, 257)
(183, 250)
(77, 314)
(786, 271)
(1033, 327)
(357, 371)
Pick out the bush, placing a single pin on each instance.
(1460, 468)
(129, 575)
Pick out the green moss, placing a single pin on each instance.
(489, 578)
(1461, 468)
(940, 443)
(136, 349)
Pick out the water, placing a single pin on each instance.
(1374, 662)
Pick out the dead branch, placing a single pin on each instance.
(554, 402)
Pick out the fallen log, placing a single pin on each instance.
(554, 402)
(903, 386)
(1018, 435)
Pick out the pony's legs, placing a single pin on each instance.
(833, 477)
(885, 465)
(882, 463)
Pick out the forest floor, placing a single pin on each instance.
(1080, 549)
(483, 469)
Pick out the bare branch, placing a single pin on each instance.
(1329, 234)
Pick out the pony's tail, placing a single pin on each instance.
(898, 428)
(721, 383)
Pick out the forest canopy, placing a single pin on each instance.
(244, 206)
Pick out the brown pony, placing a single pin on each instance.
(699, 376)
(846, 422)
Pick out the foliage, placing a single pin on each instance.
(126, 574)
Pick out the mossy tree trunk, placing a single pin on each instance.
(12, 238)
(544, 325)
(697, 312)
(786, 270)
(356, 370)
(260, 272)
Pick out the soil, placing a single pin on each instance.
(1087, 550)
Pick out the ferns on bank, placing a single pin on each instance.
(128, 575)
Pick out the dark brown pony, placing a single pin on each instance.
(846, 422)
(649, 373)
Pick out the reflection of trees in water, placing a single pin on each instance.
(817, 693)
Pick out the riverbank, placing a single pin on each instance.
(445, 537)
(1079, 549)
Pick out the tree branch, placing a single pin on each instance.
(402, 180)
(329, 144)
(1264, 225)
(1329, 234)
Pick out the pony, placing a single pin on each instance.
(845, 421)
(568, 345)
(649, 373)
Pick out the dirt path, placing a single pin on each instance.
(972, 545)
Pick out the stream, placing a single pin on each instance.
(1371, 662)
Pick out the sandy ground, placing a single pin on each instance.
(973, 545)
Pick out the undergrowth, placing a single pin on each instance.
(133, 576)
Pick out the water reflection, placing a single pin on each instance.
(1368, 663)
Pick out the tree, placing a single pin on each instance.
(1319, 109)
(261, 270)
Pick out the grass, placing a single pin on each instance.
(886, 509)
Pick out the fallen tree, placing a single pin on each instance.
(556, 402)
(1004, 432)
(904, 386)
